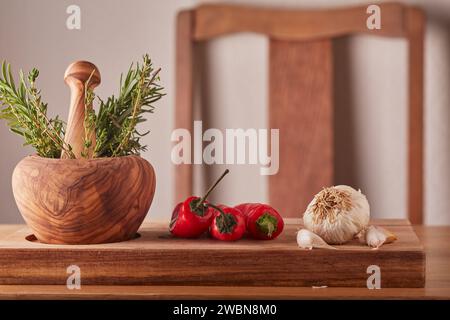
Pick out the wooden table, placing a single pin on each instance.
(435, 239)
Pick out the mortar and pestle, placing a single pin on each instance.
(83, 200)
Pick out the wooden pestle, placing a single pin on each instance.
(76, 76)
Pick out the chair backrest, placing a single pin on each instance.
(300, 89)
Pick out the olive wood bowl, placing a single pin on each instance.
(83, 201)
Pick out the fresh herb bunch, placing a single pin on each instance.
(118, 117)
(114, 124)
(26, 114)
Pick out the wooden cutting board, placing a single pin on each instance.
(156, 258)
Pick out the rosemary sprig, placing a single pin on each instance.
(118, 118)
(26, 114)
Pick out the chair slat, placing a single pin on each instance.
(300, 105)
(415, 23)
(184, 96)
(214, 20)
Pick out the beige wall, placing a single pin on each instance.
(370, 94)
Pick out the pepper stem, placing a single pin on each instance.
(267, 224)
(225, 222)
(215, 207)
(211, 189)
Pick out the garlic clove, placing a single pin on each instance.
(375, 236)
(308, 240)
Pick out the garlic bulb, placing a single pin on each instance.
(337, 214)
(375, 236)
(308, 240)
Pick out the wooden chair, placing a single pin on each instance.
(300, 69)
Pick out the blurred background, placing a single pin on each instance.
(370, 94)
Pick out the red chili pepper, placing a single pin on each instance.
(228, 223)
(263, 221)
(193, 216)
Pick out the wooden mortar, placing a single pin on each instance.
(83, 201)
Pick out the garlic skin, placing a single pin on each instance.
(308, 240)
(337, 214)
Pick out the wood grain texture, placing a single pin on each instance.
(437, 285)
(83, 201)
(184, 97)
(415, 24)
(116, 292)
(214, 20)
(76, 76)
(158, 259)
(300, 106)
